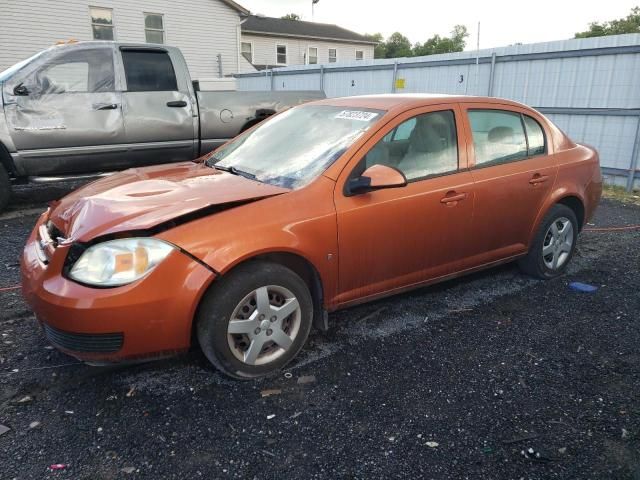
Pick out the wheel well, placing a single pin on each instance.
(575, 204)
(305, 269)
(6, 161)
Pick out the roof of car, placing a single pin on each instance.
(409, 100)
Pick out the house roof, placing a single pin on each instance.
(281, 27)
(236, 6)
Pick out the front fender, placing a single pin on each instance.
(7, 147)
(301, 222)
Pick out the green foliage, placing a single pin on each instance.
(291, 16)
(380, 50)
(628, 24)
(397, 45)
(437, 44)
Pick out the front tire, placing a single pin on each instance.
(5, 188)
(254, 320)
(554, 244)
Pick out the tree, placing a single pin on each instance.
(380, 50)
(628, 24)
(291, 16)
(437, 44)
(397, 45)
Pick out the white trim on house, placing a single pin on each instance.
(335, 57)
(253, 50)
(113, 21)
(307, 60)
(163, 29)
(286, 53)
(356, 57)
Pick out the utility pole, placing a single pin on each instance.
(477, 61)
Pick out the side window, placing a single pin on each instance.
(148, 71)
(498, 137)
(420, 147)
(79, 71)
(535, 135)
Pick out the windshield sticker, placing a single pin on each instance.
(357, 115)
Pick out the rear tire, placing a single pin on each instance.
(5, 188)
(254, 320)
(554, 244)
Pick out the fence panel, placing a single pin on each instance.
(589, 87)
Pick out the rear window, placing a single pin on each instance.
(535, 135)
(498, 137)
(149, 71)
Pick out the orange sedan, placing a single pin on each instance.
(324, 206)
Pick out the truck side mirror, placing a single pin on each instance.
(20, 90)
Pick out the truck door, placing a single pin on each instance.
(64, 112)
(160, 118)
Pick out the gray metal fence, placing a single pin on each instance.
(589, 87)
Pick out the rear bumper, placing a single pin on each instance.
(150, 317)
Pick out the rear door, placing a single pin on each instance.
(159, 116)
(69, 118)
(513, 170)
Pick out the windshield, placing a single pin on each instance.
(8, 73)
(293, 148)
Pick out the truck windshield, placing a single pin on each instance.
(293, 148)
(8, 73)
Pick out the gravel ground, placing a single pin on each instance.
(452, 381)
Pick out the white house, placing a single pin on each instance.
(207, 31)
(275, 42)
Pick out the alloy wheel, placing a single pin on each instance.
(264, 325)
(558, 243)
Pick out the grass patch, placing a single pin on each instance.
(620, 194)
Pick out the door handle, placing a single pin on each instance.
(451, 198)
(537, 178)
(177, 103)
(105, 106)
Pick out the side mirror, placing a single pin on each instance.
(376, 177)
(20, 90)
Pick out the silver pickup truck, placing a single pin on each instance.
(89, 107)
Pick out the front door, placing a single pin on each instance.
(514, 171)
(395, 238)
(160, 119)
(67, 117)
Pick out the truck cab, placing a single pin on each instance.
(87, 107)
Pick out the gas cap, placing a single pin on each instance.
(226, 115)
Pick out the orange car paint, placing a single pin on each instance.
(361, 246)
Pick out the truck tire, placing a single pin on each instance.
(5, 188)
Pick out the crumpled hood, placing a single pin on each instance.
(142, 198)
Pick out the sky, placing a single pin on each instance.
(501, 22)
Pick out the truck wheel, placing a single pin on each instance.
(5, 188)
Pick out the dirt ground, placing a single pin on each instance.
(452, 381)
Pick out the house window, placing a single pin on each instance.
(246, 48)
(359, 54)
(154, 27)
(333, 55)
(281, 54)
(313, 55)
(102, 23)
